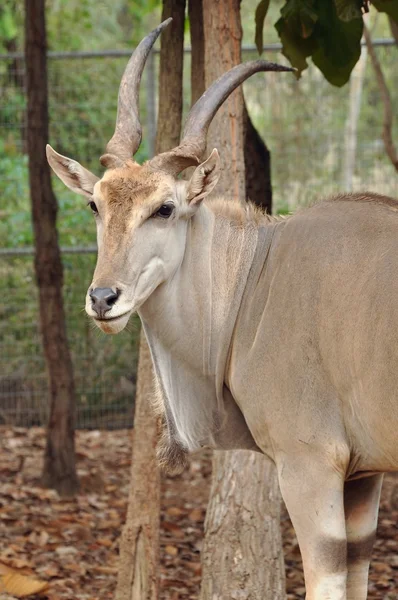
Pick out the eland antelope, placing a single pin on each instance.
(279, 336)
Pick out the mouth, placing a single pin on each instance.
(112, 319)
(113, 325)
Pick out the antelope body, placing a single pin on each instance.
(278, 336)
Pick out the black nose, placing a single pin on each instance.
(102, 300)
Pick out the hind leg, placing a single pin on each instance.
(361, 506)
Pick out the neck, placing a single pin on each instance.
(189, 320)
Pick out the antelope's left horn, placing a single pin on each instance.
(128, 132)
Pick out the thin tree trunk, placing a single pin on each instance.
(242, 554)
(195, 13)
(394, 29)
(59, 460)
(386, 98)
(138, 576)
(170, 76)
(351, 127)
(257, 165)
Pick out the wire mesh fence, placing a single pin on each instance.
(307, 124)
(104, 366)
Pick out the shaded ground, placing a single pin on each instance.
(74, 544)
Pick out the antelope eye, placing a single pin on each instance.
(93, 207)
(165, 211)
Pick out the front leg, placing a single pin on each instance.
(361, 500)
(313, 492)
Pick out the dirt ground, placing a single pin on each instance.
(73, 545)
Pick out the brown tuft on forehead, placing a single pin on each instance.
(126, 187)
(129, 185)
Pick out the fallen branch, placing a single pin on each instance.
(386, 98)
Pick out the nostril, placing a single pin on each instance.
(102, 299)
(111, 298)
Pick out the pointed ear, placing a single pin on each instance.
(204, 178)
(75, 177)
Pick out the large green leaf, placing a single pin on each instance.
(261, 13)
(301, 14)
(388, 6)
(348, 10)
(327, 30)
(294, 47)
(339, 44)
(295, 28)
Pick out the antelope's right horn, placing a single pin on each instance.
(193, 143)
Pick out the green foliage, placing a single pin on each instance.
(295, 28)
(8, 26)
(339, 44)
(11, 20)
(317, 29)
(328, 31)
(68, 23)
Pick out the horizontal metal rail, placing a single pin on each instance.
(29, 251)
(187, 50)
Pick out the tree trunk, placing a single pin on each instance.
(195, 13)
(394, 29)
(351, 126)
(139, 545)
(388, 119)
(242, 554)
(257, 165)
(223, 37)
(170, 76)
(139, 548)
(59, 461)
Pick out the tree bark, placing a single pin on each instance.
(59, 470)
(171, 64)
(139, 545)
(257, 165)
(138, 577)
(394, 29)
(195, 14)
(389, 145)
(242, 554)
(351, 126)
(223, 36)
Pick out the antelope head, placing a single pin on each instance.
(142, 211)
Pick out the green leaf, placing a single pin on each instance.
(349, 9)
(295, 29)
(388, 6)
(261, 13)
(294, 47)
(339, 44)
(329, 31)
(301, 14)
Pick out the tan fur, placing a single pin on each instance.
(267, 333)
(364, 197)
(240, 214)
(130, 185)
(135, 185)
